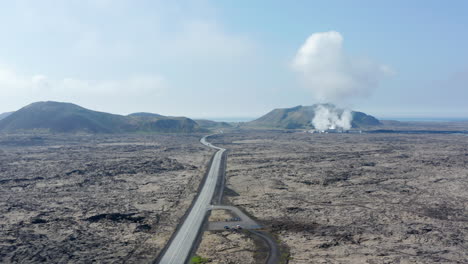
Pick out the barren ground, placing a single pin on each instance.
(227, 247)
(219, 215)
(354, 198)
(83, 199)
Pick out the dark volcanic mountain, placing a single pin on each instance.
(67, 117)
(146, 115)
(301, 117)
(160, 123)
(204, 123)
(3, 115)
(212, 124)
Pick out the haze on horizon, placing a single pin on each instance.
(201, 58)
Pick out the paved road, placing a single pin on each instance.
(246, 222)
(273, 255)
(179, 250)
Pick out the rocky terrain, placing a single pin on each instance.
(227, 247)
(354, 198)
(94, 198)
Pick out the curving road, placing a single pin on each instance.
(245, 221)
(274, 254)
(179, 250)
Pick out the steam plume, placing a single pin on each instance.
(330, 74)
(328, 117)
(333, 76)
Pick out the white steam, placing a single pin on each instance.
(327, 117)
(332, 75)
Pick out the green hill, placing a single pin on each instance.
(300, 117)
(67, 117)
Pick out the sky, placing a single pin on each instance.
(231, 59)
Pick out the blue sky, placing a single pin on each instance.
(235, 58)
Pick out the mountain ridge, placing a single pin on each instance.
(300, 117)
(4, 115)
(67, 117)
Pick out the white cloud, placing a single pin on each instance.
(208, 41)
(125, 95)
(124, 29)
(331, 74)
(107, 43)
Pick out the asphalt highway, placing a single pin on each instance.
(178, 251)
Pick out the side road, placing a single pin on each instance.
(245, 221)
(187, 236)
